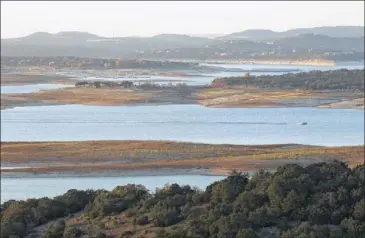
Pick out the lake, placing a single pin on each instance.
(24, 188)
(291, 68)
(207, 78)
(191, 123)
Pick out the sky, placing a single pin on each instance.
(140, 18)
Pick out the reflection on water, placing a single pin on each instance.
(191, 123)
(24, 188)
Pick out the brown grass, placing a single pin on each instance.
(101, 151)
(240, 96)
(35, 79)
(86, 96)
(116, 225)
(131, 155)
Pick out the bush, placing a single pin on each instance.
(55, 229)
(116, 201)
(320, 200)
(142, 220)
(166, 218)
(126, 234)
(72, 232)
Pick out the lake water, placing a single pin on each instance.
(289, 68)
(192, 123)
(30, 88)
(24, 188)
(205, 79)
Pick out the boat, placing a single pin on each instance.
(304, 123)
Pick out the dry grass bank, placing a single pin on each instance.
(86, 96)
(357, 103)
(90, 156)
(252, 97)
(23, 79)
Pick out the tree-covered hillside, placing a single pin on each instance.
(342, 79)
(320, 200)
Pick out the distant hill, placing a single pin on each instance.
(174, 46)
(210, 36)
(262, 34)
(45, 38)
(181, 40)
(322, 42)
(78, 38)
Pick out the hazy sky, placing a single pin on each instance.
(150, 18)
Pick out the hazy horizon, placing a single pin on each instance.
(120, 19)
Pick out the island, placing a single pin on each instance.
(326, 89)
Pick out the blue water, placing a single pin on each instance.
(24, 188)
(191, 123)
(30, 88)
(278, 69)
(208, 78)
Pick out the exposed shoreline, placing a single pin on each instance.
(199, 95)
(221, 97)
(126, 158)
(113, 173)
(312, 62)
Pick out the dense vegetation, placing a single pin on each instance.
(342, 79)
(128, 84)
(320, 200)
(94, 63)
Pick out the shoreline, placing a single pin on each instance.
(219, 96)
(312, 62)
(161, 157)
(153, 104)
(195, 95)
(120, 174)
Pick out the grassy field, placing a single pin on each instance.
(90, 156)
(86, 96)
(23, 79)
(237, 96)
(250, 97)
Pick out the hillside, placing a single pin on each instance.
(341, 79)
(308, 46)
(82, 38)
(263, 34)
(321, 43)
(323, 200)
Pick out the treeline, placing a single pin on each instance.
(129, 84)
(318, 201)
(94, 63)
(342, 79)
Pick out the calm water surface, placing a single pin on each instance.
(174, 122)
(288, 68)
(24, 188)
(208, 78)
(192, 123)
